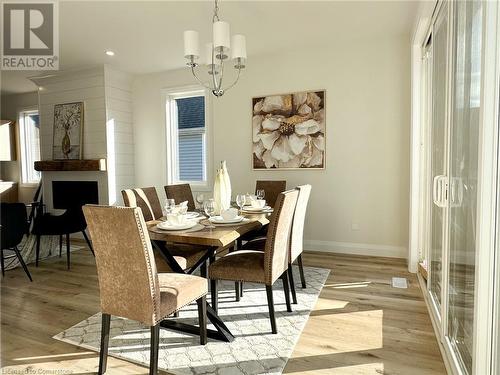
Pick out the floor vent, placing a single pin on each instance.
(399, 282)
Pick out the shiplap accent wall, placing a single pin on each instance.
(107, 100)
(120, 138)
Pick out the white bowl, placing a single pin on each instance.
(258, 203)
(229, 214)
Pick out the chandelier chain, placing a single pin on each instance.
(216, 12)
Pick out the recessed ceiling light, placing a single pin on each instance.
(110, 53)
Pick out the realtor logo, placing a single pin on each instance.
(30, 38)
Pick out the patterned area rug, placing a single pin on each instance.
(254, 351)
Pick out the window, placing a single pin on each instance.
(187, 137)
(29, 130)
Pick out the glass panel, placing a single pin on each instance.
(438, 140)
(463, 177)
(31, 130)
(191, 138)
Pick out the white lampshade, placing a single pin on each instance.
(209, 47)
(238, 47)
(221, 35)
(191, 45)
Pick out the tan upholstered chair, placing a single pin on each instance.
(147, 199)
(181, 193)
(262, 267)
(130, 286)
(272, 190)
(296, 240)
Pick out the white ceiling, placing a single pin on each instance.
(147, 35)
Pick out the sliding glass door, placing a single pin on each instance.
(438, 150)
(463, 172)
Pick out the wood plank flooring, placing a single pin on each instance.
(360, 325)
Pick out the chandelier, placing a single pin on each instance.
(216, 53)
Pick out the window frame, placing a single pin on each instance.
(23, 167)
(171, 134)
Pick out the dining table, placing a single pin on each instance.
(213, 239)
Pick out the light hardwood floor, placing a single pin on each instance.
(360, 325)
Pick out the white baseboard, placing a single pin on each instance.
(356, 248)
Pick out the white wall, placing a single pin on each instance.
(85, 85)
(366, 180)
(119, 132)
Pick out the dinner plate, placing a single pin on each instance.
(257, 209)
(220, 220)
(165, 225)
(192, 215)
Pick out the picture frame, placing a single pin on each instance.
(67, 136)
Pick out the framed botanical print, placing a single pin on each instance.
(288, 131)
(68, 128)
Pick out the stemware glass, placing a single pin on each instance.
(260, 193)
(169, 205)
(209, 207)
(200, 198)
(240, 201)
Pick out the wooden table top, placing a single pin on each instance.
(220, 236)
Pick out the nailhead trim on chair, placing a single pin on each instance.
(153, 286)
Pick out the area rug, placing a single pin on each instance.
(254, 351)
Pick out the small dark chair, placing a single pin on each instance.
(181, 193)
(71, 221)
(12, 229)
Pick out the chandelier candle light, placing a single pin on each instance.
(216, 52)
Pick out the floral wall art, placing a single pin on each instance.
(68, 126)
(289, 131)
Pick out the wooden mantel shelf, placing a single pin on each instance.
(71, 165)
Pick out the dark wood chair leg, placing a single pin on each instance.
(202, 319)
(270, 303)
(286, 289)
(237, 290)
(103, 353)
(60, 245)
(2, 262)
(21, 260)
(292, 284)
(88, 242)
(68, 252)
(155, 345)
(301, 269)
(214, 294)
(37, 256)
(241, 289)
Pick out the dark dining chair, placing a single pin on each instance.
(129, 284)
(261, 267)
(13, 223)
(271, 189)
(69, 222)
(181, 193)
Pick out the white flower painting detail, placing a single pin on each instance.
(289, 131)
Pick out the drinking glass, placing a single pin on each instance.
(240, 200)
(169, 205)
(260, 194)
(209, 207)
(200, 198)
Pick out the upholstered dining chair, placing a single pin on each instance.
(261, 267)
(129, 284)
(181, 193)
(147, 199)
(271, 188)
(296, 239)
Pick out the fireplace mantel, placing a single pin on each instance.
(88, 165)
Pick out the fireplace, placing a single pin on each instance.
(66, 194)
